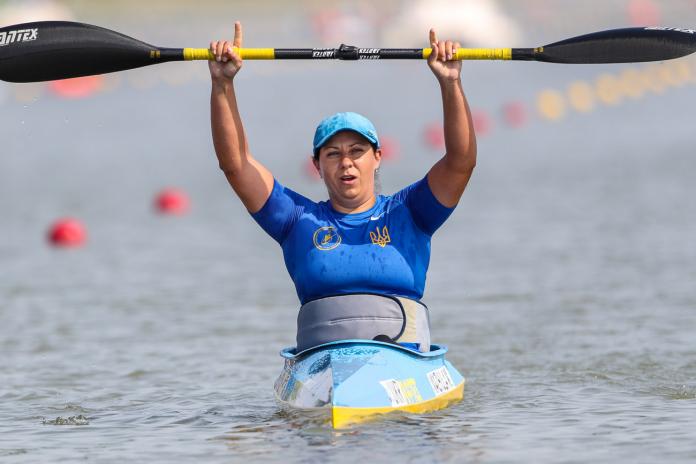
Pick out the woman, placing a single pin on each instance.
(358, 260)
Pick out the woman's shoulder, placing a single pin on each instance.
(402, 195)
(296, 197)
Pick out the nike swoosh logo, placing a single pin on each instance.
(376, 218)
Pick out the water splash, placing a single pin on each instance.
(72, 420)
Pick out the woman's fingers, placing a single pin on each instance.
(236, 59)
(224, 52)
(442, 51)
(443, 57)
(445, 50)
(238, 34)
(223, 49)
(227, 52)
(433, 45)
(220, 49)
(433, 54)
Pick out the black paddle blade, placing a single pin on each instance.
(629, 45)
(50, 50)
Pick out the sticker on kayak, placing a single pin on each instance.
(440, 380)
(402, 392)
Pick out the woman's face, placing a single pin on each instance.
(347, 163)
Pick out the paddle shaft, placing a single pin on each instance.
(49, 50)
(350, 53)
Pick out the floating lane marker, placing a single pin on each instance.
(79, 87)
(434, 136)
(514, 114)
(309, 169)
(613, 89)
(653, 81)
(551, 105)
(666, 76)
(608, 90)
(112, 82)
(390, 148)
(641, 12)
(143, 80)
(27, 93)
(581, 96)
(67, 233)
(483, 124)
(682, 71)
(172, 201)
(632, 83)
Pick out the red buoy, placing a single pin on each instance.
(67, 232)
(79, 87)
(483, 124)
(644, 13)
(390, 148)
(309, 169)
(434, 136)
(172, 201)
(515, 114)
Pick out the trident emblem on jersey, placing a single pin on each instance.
(380, 238)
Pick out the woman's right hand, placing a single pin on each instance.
(227, 63)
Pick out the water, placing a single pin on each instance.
(564, 284)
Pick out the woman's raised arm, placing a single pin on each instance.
(450, 175)
(251, 181)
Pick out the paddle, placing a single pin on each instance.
(50, 50)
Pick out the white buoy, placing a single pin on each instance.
(474, 23)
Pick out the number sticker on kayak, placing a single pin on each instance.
(402, 392)
(440, 380)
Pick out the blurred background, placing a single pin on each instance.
(564, 283)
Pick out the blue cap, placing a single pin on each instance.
(344, 121)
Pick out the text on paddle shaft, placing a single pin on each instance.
(676, 29)
(20, 35)
(362, 53)
(328, 53)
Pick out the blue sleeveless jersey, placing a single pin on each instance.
(385, 250)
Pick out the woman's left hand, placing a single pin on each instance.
(441, 60)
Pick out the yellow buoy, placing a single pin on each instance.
(551, 105)
(609, 90)
(581, 96)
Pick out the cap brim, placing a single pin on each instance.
(326, 138)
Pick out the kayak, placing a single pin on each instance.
(357, 380)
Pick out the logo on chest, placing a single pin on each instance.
(380, 237)
(326, 238)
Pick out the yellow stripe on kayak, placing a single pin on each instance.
(344, 416)
(191, 54)
(477, 53)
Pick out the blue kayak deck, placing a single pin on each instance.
(358, 379)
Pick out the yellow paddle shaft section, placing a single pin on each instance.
(477, 53)
(270, 54)
(245, 53)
